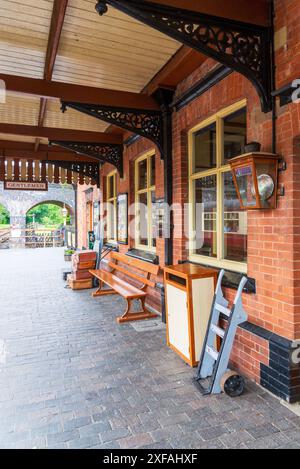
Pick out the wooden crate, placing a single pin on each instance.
(85, 284)
(82, 275)
(86, 265)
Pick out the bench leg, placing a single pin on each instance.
(129, 316)
(102, 292)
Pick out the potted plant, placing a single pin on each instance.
(68, 254)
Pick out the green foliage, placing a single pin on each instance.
(69, 252)
(46, 215)
(4, 216)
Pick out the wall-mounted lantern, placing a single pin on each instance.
(256, 177)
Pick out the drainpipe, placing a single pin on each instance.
(273, 78)
(165, 98)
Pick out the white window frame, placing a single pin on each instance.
(218, 171)
(112, 204)
(149, 190)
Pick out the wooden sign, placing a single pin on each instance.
(25, 186)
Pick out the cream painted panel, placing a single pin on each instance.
(24, 31)
(203, 293)
(71, 119)
(114, 51)
(178, 320)
(22, 110)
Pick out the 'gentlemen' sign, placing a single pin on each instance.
(25, 186)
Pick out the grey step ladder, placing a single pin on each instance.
(213, 364)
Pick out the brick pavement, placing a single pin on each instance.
(70, 377)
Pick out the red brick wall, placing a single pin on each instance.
(126, 185)
(273, 236)
(82, 212)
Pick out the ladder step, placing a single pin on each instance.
(212, 352)
(223, 310)
(217, 330)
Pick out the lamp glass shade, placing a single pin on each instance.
(256, 178)
(245, 183)
(265, 172)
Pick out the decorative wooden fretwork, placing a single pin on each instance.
(57, 172)
(86, 171)
(146, 123)
(103, 153)
(244, 47)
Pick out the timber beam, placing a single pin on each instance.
(39, 155)
(61, 134)
(57, 22)
(244, 46)
(78, 93)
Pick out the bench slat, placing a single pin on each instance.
(120, 286)
(137, 277)
(136, 263)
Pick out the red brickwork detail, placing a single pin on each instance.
(273, 236)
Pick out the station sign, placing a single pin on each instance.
(25, 186)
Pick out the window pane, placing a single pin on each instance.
(206, 216)
(111, 188)
(245, 183)
(235, 223)
(152, 164)
(111, 216)
(235, 134)
(142, 172)
(205, 149)
(143, 219)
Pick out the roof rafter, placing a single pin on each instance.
(77, 93)
(256, 11)
(52, 133)
(218, 33)
(57, 22)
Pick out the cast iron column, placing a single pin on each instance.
(165, 98)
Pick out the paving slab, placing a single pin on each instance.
(71, 377)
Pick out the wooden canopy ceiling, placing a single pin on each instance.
(62, 41)
(58, 49)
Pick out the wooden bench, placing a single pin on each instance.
(122, 287)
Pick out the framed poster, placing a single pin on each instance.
(122, 215)
(96, 220)
(160, 227)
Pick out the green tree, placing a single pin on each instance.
(46, 215)
(4, 216)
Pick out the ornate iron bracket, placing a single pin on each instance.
(244, 47)
(148, 124)
(103, 153)
(90, 170)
